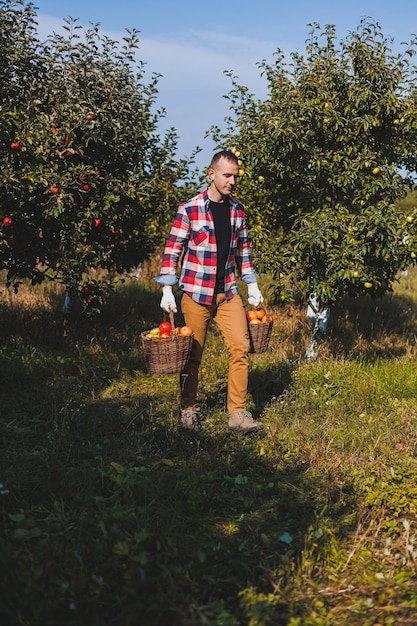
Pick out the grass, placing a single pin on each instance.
(110, 515)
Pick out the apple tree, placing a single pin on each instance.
(86, 179)
(325, 159)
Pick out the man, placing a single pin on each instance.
(210, 230)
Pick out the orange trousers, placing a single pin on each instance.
(230, 317)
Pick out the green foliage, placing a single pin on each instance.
(325, 159)
(86, 181)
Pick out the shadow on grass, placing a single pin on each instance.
(130, 521)
(113, 515)
(268, 382)
(129, 310)
(372, 329)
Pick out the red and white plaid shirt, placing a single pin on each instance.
(193, 232)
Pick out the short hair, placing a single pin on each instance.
(223, 154)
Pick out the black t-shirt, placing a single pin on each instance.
(221, 216)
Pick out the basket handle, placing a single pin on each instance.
(172, 322)
(171, 319)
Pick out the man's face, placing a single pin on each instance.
(224, 177)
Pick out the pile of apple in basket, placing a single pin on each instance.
(260, 324)
(166, 348)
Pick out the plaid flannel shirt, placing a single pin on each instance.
(193, 232)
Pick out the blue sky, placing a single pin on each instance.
(192, 43)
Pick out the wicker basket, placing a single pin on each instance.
(260, 334)
(166, 355)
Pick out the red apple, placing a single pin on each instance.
(165, 327)
(7, 221)
(251, 315)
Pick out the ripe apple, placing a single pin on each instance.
(54, 189)
(165, 327)
(90, 116)
(97, 222)
(260, 313)
(86, 186)
(7, 221)
(164, 335)
(15, 145)
(255, 321)
(251, 315)
(185, 331)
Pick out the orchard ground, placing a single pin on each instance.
(111, 515)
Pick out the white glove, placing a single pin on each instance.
(254, 295)
(168, 300)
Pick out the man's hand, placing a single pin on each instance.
(254, 295)
(168, 300)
